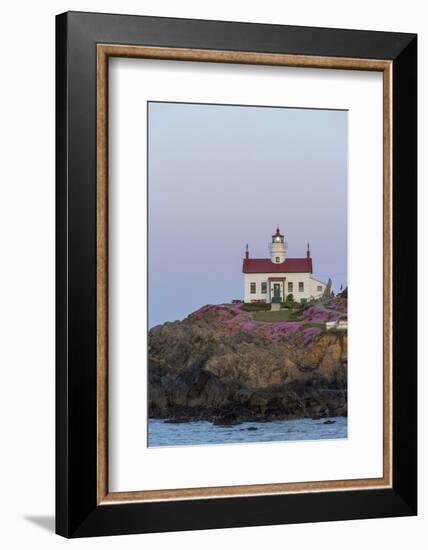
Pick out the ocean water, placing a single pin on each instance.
(162, 433)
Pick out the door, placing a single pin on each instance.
(276, 293)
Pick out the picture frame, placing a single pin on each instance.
(84, 44)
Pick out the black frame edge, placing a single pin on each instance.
(77, 514)
(238, 36)
(222, 513)
(404, 173)
(61, 446)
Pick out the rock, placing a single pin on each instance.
(327, 291)
(227, 419)
(330, 422)
(207, 368)
(178, 420)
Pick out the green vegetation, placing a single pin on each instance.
(338, 331)
(314, 325)
(257, 306)
(289, 301)
(343, 294)
(275, 316)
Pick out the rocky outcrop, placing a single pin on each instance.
(327, 291)
(217, 365)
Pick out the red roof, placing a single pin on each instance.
(264, 265)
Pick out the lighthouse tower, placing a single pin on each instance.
(278, 248)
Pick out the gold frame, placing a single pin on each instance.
(104, 51)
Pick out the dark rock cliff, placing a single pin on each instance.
(218, 365)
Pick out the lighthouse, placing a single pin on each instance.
(272, 279)
(278, 248)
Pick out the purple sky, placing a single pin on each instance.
(222, 176)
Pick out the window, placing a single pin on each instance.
(301, 287)
(277, 259)
(290, 288)
(319, 288)
(264, 288)
(252, 288)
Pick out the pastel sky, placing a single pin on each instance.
(222, 176)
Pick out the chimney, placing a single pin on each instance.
(308, 252)
(247, 254)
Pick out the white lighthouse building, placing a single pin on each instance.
(273, 279)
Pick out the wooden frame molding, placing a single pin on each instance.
(104, 51)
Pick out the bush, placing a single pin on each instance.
(344, 293)
(289, 301)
